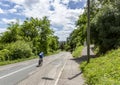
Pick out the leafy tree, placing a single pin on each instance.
(38, 31)
(105, 25)
(11, 35)
(29, 29)
(45, 33)
(105, 28)
(78, 36)
(33, 36)
(53, 43)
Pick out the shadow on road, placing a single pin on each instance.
(79, 61)
(46, 78)
(75, 76)
(82, 58)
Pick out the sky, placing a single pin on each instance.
(62, 13)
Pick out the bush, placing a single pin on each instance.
(103, 70)
(19, 49)
(77, 51)
(105, 29)
(4, 55)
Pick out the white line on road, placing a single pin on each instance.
(16, 71)
(60, 74)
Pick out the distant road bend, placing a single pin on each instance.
(26, 73)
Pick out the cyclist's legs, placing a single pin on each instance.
(40, 61)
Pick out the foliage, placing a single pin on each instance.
(2, 46)
(62, 45)
(105, 28)
(19, 49)
(77, 52)
(77, 37)
(53, 43)
(4, 55)
(15, 61)
(11, 35)
(29, 38)
(103, 70)
(38, 31)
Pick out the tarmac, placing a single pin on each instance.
(72, 75)
(69, 75)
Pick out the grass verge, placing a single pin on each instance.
(24, 59)
(16, 61)
(104, 70)
(77, 52)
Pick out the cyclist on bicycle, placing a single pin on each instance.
(41, 55)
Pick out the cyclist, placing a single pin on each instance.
(41, 55)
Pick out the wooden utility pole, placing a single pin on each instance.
(88, 31)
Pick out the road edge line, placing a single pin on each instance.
(9, 74)
(60, 73)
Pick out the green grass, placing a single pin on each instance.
(77, 52)
(15, 61)
(24, 59)
(55, 52)
(104, 70)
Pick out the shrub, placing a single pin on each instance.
(4, 55)
(77, 51)
(19, 49)
(103, 70)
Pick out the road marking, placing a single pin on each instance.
(60, 74)
(16, 71)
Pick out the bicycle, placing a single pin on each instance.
(40, 62)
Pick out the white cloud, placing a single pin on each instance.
(2, 30)
(12, 10)
(76, 0)
(5, 5)
(18, 1)
(65, 1)
(17, 7)
(1, 11)
(60, 15)
(39, 10)
(62, 35)
(8, 20)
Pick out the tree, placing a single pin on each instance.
(78, 36)
(34, 34)
(11, 35)
(105, 27)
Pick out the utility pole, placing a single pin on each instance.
(88, 31)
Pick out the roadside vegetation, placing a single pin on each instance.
(16, 61)
(105, 35)
(35, 35)
(23, 41)
(77, 52)
(104, 70)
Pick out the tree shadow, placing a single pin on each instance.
(75, 76)
(46, 78)
(82, 58)
(79, 61)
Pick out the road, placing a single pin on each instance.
(26, 73)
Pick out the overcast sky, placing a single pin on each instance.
(62, 13)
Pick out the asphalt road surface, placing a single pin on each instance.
(26, 73)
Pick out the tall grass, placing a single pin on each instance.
(104, 70)
(16, 61)
(24, 59)
(77, 52)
